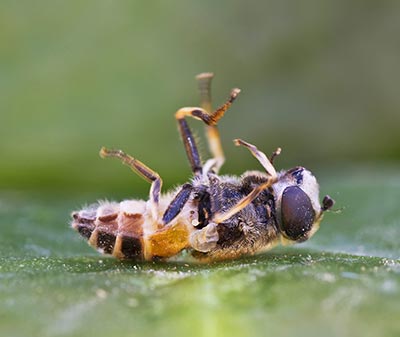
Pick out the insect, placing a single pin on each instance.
(214, 217)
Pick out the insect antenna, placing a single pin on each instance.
(275, 154)
(327, 203)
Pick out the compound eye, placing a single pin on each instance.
(297, 213)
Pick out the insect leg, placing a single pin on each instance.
(264, 161)
(212, 133)
(208, 118)
(211, 119)
(206, 238)
(142, 170)
(204, 86)
(176, 205)
(245, 201)
(260, 156)
(190, 145)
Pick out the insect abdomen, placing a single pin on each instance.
(118, 233)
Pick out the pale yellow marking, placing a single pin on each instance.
(93, 238)
(117, 248)
(215, 146)
(187, 112)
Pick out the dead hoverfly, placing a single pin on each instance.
(214, 217)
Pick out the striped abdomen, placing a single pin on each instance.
(118, 229)
(111, 231)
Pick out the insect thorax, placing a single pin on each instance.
(250, 230)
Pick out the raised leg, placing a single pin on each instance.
(142, 170)
(222, 216)
(176, 205)
(211, 119)
(190, 145)
(201, 114)
(212, 133)
(269, 168)
(260, 156)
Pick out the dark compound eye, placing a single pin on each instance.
(297, 212)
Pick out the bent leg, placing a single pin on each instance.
(212, 132)
(143, 171)
(260, 156)
(176, 205)
(269, 168)
(211, 120)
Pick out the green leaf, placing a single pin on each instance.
(343, 282)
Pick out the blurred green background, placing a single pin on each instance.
(318, 78)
